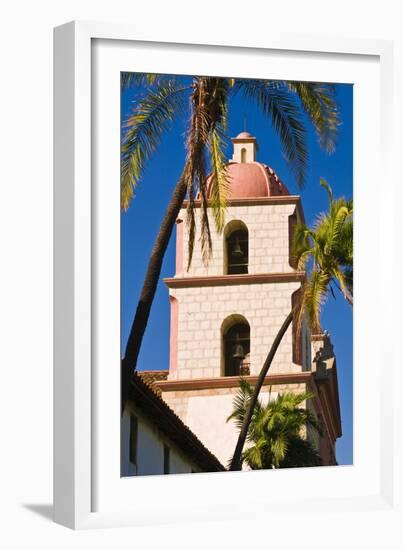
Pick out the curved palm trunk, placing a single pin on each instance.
(139, 325)
(348, 296)
(236, 460)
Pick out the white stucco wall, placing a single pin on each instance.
(150, 449)
(206, 413)
(250, 151)
(206, 416)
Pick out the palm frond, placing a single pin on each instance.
(129, 80)
(220, 183)
(324, 184)
(335, 229)
(253, 457)
(195, 167)
(302, 245)
(319, 102)
(279, 449)
(205, 237)
(285, 115)
(151, 117)
(314, 295)
(273, 427)
(240, 403)
(300, 453)
(339, 276)
(329, 244)
(209, 111)
(190, 217)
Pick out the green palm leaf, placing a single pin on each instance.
(130, 80)
(285, 115)
(220, 184)
(152, 116)
(302, 247)
(274, 428)
(329, 244)
(319, 103)
(315, 294)
(208, 122)
(241, 402)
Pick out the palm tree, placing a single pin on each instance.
(207, 126)
(165, 98)
(328, 246)
(274, 434)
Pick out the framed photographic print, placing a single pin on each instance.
(206, 349)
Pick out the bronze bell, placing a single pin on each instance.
(238, 351)
(237, 251)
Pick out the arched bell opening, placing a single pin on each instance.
(236, 346)
(236, 253)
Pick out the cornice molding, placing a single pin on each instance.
(252, 201)
(224, 280)
(231, 381)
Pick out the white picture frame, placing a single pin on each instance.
(83, 497)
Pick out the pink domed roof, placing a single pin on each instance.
(244, 135)
(252, 180)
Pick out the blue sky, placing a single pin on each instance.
(141, 223)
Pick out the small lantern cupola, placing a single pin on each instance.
(245, 147)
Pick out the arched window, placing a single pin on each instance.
(236, 348)
(243, 154)
(237, 248)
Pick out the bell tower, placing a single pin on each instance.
(245, 147)
(239, 300)
(225, 315)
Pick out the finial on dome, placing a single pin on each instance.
(245, 147)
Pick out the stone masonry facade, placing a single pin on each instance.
(204, 311)
(268, 227)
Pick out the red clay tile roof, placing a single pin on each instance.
(143, 395)
(152, 376)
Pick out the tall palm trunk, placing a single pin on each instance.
(140, 321)
(201, 125)
(236, 459)
(348, 296)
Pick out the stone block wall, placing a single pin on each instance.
(268, 228)
(201, 312)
